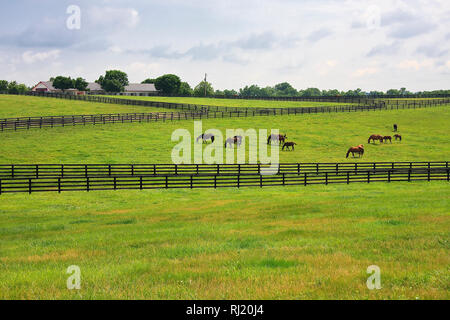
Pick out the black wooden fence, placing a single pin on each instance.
(71, 120)
(362, 102)
(87, 177)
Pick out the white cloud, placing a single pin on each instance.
(32, 57)
(116, 18)
(365, 71)
(415, 64)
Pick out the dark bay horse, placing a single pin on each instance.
(398, 136)
(276, 137)
(386, 138)
(375, 137)
(359, 150)
(288, 144)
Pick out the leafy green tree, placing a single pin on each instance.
(113, 79)
(285, 89)
(311, 92)
(199, 90)
(393, 92)
(250, 91)
(331, 93)
(112, 86)
(80, 84)
(15, 88)
(230, 93)
(168, 84)
(3, 85)
(63, 83)
(185, 89)
(149, 80)
(268, 92)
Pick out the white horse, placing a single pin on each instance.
(205, 137)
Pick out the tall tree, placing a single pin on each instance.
(63, 83)
(285, 89)
(149, 80)
(113, 79)
(168, 84)
(112, 86)
(185, 89)
(202, 87)
(80, 84)
(3, 85)
(15, 88)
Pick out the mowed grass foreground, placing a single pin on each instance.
(310, 242)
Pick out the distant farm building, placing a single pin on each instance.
(45, 86)
(139, 89)
(133, 89)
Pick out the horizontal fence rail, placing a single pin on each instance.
(286, 175)
(96, 119)
(116, 170)
(366, 104)
(189, 111)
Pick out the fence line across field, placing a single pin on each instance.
(60, 184)
(95, 170)
(367, 103)
(190, 111)
(71, 120)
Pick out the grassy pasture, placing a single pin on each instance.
(12, 106)
(310, 242)
(320, 138)
(242, 103)
(294, 242)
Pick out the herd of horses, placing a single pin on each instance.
(237, 140)
(359, 150)
(289, 145)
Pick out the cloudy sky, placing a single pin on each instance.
(373, 45)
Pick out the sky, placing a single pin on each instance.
(329, 44)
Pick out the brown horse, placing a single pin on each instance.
(276, 137)
(288, 144)
(398, 136)
(375, 137)
(359, 150)
(386, 138)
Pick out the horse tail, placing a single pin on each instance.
(368, 141)
(348, 152)
(212, 139)
(200, 136)
(268, 140)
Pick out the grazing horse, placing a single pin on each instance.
(386, 138)
(395, 127)
(398, 136)
(288, 144)
(235, 140)
(359, 150)
(276, 137)
(205, 137)
(375, 137)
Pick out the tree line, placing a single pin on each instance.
(172, 85)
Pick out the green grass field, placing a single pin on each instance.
(242, 103)
(300, 242)
(320, 138)
(20, 106)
